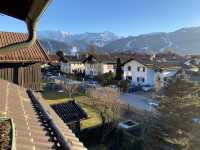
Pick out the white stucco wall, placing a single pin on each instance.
(92, 69)
(148, 74)
(107, 68)
(69, 67)
(95, 69)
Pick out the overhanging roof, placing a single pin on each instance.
(23, 9)
(28, 11)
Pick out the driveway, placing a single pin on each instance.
(138, 101)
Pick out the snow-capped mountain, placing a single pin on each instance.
(183, 41)
(80, 40)
(55, 35)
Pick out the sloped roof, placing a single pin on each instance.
(22, 9)
(100, 58)
(33, 54)
(79, 58)
(69, 111)
(146, 60)
(31, 126)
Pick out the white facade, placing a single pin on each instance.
(140, 74)
(71, 67)
(94, 69)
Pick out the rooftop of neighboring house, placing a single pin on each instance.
(100, 58)
(154, 61)
(33, 54)
(70, 111)
(54, 58)
(169, 57)
(193, 56)
(189, 66)
(33, 118)
(75, 59)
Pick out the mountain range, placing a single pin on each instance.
(182, 41)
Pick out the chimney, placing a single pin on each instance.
(152, 57)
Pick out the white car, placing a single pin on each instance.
(153, 104)
(147, 88)
(129, 124)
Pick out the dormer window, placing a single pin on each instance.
(138, 68)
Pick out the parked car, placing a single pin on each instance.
(129, 124)
(153, 104)
(147, 88)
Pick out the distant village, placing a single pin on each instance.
(82, 92)
(140, 69)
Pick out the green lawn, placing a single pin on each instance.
(54, 97)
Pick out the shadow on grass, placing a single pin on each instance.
(53, 95)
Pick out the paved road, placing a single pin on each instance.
(138, 101)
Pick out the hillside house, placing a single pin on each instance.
(99, 64)
(22, 67)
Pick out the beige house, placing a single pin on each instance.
(99, 64)
(74, 64)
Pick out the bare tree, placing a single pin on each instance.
(106, 102)
(70, 88)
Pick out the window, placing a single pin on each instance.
(144, 69)
(138, 79)
(143, 80)
(138, 68)
(129, 68)
(128, 78)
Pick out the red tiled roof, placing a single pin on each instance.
(31, 123)
(35, 53)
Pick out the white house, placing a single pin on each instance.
(72, 65)
(144, 71)
(138, 73)
(99, 64)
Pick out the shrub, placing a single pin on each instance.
(124, 85)
(106, 79)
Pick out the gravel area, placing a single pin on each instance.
(5, 135)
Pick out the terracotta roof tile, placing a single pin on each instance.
(35, 53)
(32, 128)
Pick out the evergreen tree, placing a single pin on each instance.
(119, 71)
(60, 54)
(174, 126)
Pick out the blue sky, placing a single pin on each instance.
(123, 17)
